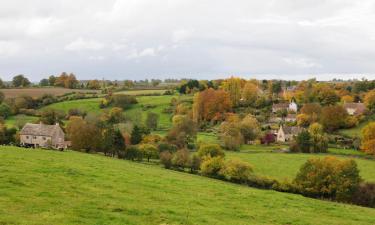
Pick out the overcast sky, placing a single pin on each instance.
(138, 39)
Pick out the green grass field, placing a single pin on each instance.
(51, 187)
(286, 165)
(13, 121)
(136, 113)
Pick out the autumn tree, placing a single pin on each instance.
(93, 84)
(319, 141)
(211, 150)
(210, 105)
(333, 117)
(328, 177)
(83, 135)
(66, 81)
(370, 100)
(230, 134)
(250, 128)
(149, 151)
(233, 86)
(183, 131)
(368, 138)
(250, 93)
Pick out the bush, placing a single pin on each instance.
(167, 147)
(133, 153)
(149, 151)
(211, 150)
(211, 166)
(181, 159)
(236, 170)
(166, 159)
(195, 163)
(328, 178)
(365, 195)
(122, 101)
(261, 182)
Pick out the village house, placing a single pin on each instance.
(292, 107)
(291, 118)
(286, 133)
(42, 135)
(355, 109)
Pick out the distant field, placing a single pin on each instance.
(38, 92)
(89, 105)
(20, 119)
(50, 187)
(141, 92)
(137, 112)
(286, 165)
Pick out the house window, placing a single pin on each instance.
(27, 137)
(44, 138)
(34, 137)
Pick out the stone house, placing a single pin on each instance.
(291, 118)
(42, 135)
(355, 109)
(286, 133)
(292, 107)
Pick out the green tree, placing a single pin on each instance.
(52, 116)
(20, 81)
(319, 142)
(236, 170)
(44, 82)
(149, 151)
(303, 141)
(211, 150)
(152, 120)
(51, 80)
(5, 110)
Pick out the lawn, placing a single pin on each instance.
(51, 187)
(286, 165)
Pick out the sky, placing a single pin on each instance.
(203, 39)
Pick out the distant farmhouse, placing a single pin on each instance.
(355, 109)
(286, 134)
(292, 107)
(42, 135)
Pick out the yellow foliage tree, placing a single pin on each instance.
(368, 138)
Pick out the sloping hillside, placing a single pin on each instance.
(49, 187)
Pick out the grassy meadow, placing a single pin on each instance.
(137, 112)
(286, 165)
(14, 121)
(51, 187)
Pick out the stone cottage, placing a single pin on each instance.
(42, 135)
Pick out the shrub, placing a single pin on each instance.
(167, 147)
(261, 182)
(166, 159)
(211, 150)
(149, 151)
(328, 178)
(181, 159)
(236, 170)
(211, 166)
(133, 153)
(195, 163)
(365, 195)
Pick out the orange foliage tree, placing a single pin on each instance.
(210, 105)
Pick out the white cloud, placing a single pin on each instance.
(81, 44)
(302, 62)
(180, 37)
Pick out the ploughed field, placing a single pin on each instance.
(51, 187)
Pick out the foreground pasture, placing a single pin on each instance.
(50, 187)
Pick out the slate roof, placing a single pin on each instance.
(38, 129)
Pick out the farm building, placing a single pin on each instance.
(42, 135)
